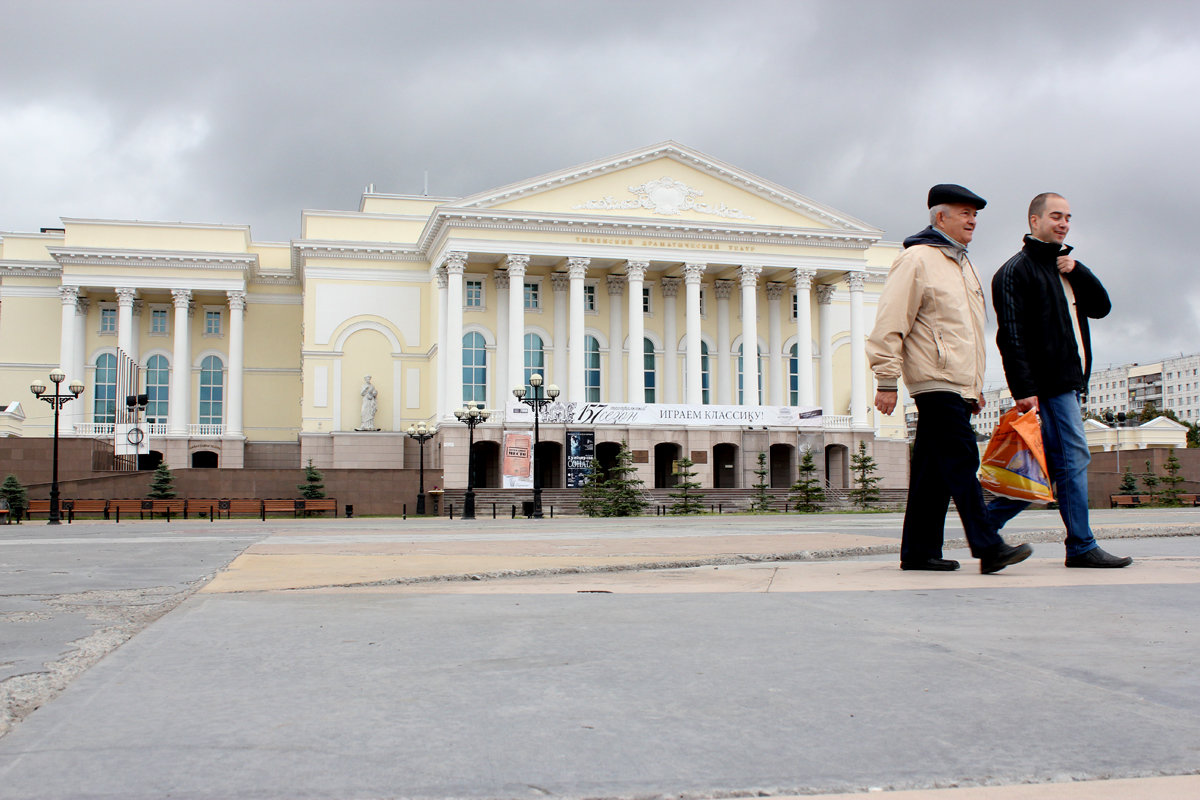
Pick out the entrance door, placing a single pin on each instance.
(725, 459)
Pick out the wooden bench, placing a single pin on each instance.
(38, 507)
(240, 505)
(127, 506)
(1189, 499)
(85, 506)
(1124, 500)
(320, 504)
(175, 506)
(209, 507)
(282, 506)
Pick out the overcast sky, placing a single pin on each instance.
(247, 112)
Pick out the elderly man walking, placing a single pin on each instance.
(929, 331)
(1043, 300)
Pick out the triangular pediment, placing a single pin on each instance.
(665, 183)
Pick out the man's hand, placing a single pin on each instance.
(886, 401)
(1026, 404)
(1065, 264)
(977, 405)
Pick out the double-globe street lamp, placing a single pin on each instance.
(422, 434)
(537, 402)
(471, 415)
(56, 401)
(1115, 422)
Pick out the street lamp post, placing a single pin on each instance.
(537, 402)
(1116, 422)
(136, 405)
(56, 401)
(471, 415)
(422, 435)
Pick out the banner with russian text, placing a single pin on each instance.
(670, 415)
(581, 449)
(516, 463)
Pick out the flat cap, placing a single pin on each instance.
(953, 193)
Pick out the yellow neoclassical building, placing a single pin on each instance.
(635, 283)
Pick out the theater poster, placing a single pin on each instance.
(517, 461)
(581, 449)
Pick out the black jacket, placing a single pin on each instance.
(1036, 340)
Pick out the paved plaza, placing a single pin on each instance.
(718, 657)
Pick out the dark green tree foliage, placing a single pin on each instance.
(1171, 481)
(17, 497)
(761, 502)
(1150, 481)
(1129, 482)
(1193, 435)
(162, 485)
(865, 491)
(625, 490)
(688, 499)
(592, 495)
(807, 492)
(312, 488)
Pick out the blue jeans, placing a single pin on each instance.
(1067, 457)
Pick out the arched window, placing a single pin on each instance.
(104, 409)
(535, 359)
(741, 400)
(591, 369)
(474, 368)
(648, 366)
(212, 391)
(157, 388)
(794, 376)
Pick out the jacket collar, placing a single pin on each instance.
(1046, 253)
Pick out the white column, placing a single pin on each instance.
(66, 350)
(237, 366)
(825, 332)
(693, 391)
(442, 407)
(516, 322)
(616, 370)
(724, 396)
(670, 382)
(576, 269)
(775, 395)
(503, 382)
(135, 331)
(750, 376)
(858, 352)
(179, 406)
(561, 282)
(804, 362)
(635, 273)
(125, 298)
(78, 410)
(456, 265)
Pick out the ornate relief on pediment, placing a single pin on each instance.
(665, 196)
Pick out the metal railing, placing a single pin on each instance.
(95, 429)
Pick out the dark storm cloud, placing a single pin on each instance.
(248, 112)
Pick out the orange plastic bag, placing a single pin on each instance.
(1014, 463)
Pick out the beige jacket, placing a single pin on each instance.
(929, 325)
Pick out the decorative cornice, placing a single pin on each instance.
(374, 251)
(31, 269)
(105, 257)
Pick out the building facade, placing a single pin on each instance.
(637, 284)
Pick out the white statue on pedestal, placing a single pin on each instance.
(369, 405)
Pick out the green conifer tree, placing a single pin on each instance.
(625, 492)
(1171, 481)
(18, 499)
(807, 492)
(1129, 481)
(761, 501)
(1150, 481)
(863, 466)
(162, 484)
(592, 496)
(687, 499)
(312, 488)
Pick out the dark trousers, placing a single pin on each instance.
(945, 461)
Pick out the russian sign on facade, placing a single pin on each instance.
(581, 449)
(671, 415)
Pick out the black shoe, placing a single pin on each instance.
(1003, 556)
(1097, 558)
(931, 564)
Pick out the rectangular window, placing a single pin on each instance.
(703, 313)
(474, 294)
(795, 305)
(532, 297)
(645, 299)
(212, 323)
(589, 299)
(108, 320)
(158, 321)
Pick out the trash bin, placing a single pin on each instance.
(349, 511)
(527, 508)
